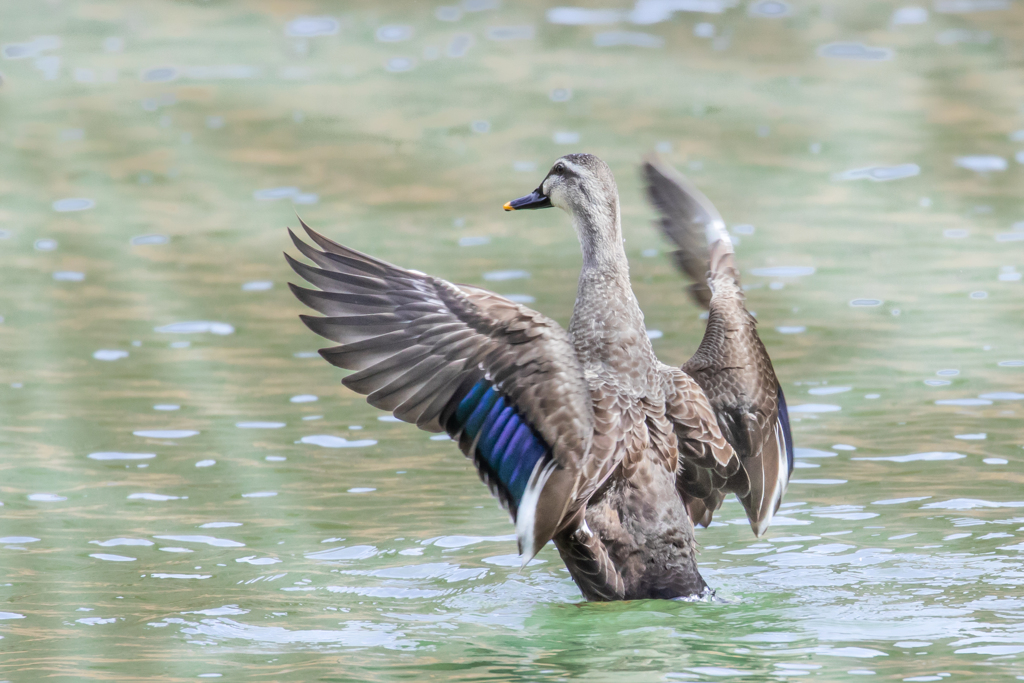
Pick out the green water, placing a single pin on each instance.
(401, 133)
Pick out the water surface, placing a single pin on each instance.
(187, 489)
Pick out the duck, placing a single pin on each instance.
(586, 438)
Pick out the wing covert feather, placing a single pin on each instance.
(501, 379)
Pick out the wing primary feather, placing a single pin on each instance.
(333, 281)
(433, 353)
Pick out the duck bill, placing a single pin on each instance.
(534, 200)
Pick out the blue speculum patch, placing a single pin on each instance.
(784, 421)
(505, 442)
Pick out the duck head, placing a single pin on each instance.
(583, 186)
(576, 183)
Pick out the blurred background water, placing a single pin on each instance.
(189, 492)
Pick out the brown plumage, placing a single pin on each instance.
(584, 437)
(731, 364)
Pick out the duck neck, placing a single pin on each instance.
(607, 324)
(599, 229)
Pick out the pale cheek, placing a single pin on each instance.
(558, 199)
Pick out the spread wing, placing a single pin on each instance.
(731, 365)
(500, 379)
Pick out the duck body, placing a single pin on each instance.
(584, 436)
(636, 540)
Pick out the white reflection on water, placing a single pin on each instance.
(969, 6)
(46, 497)
(769, 8)
(880, 174)
(400, 64)
(73, 204)
(1015, 236)
(149, 240)
(163, 575)
(909, 15)
(206, 540)
(220, 611)
(166, 433)
(915, 457)
(110, 354)
(112, 558)
(463, 541)
(783, 271)
(394, 33)
(252, 559)
(828, 391)
(157, 497)
(354, 634)
(114, 455)
(968, 504)
(32, 48)
(450, 573)
(581, 16)
(68, 276)
(982, 163)
(121, 541)
(855, 51)
(159, 74)
(329, 441)
(815, 408)
(503, 275)
(308, 27)
(196, 327)
(355, 552)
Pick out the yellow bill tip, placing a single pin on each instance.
(508, 206)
